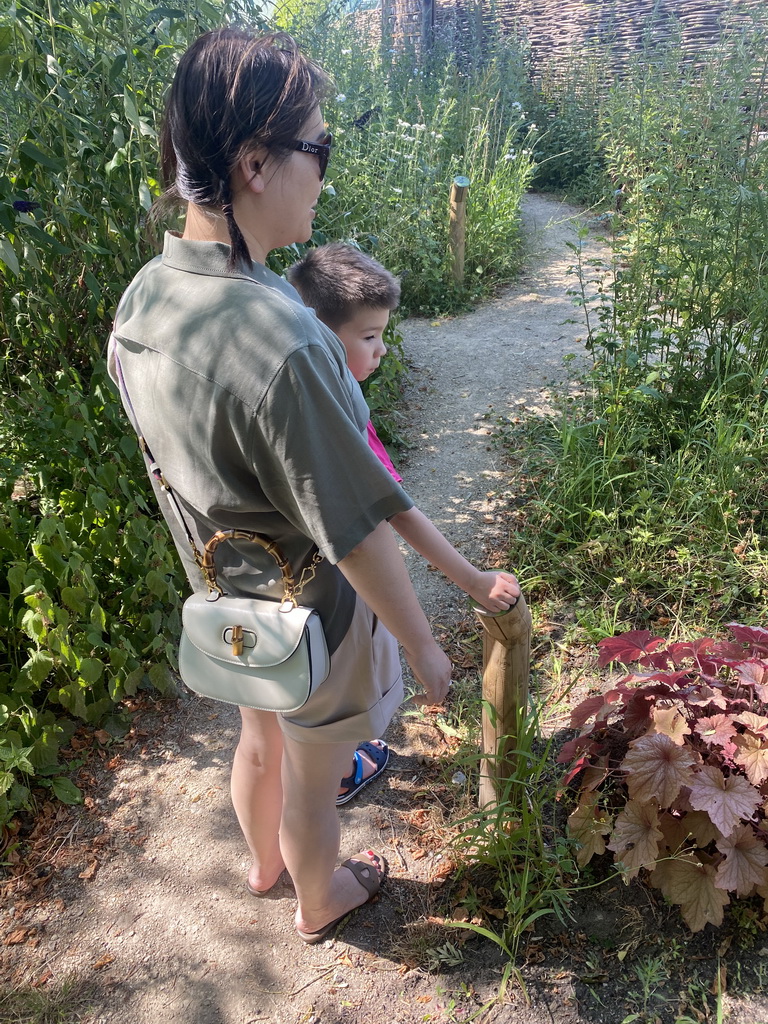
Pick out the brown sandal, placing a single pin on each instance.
(370, 870)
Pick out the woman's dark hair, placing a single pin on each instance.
(233, 91)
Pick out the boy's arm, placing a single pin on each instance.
(496, 591)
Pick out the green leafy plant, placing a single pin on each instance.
(89, 603)
(671, 765)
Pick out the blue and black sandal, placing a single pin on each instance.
(353, 783)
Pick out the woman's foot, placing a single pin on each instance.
(261, 881)
(369, 762)
(356, 881)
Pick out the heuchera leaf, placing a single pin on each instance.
(592, 706)
(627, 647)
(726, 800)
(719, 729)
(636, 836)
(696, 650)
(693, 825)
(745, 861)
(637, 712)
(588, 825)
(704, 694)
(671, 722)
(692, 886)
(667, 675)
(701, 827)
(754, 673)
(657, 769)
(752, 755)
(675, 831)
(755, 723)
(755, 636)
(595, 775)
(724, 653)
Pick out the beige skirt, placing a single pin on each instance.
(362, 692)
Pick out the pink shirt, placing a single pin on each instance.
(381, 452)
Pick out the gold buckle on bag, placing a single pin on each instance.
(237, 640)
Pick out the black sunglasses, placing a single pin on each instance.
(322, 150)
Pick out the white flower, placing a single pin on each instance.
(402, 124)
(532, 127)
(398, 190)
(346, 52)
(510, 156)
(341, 98)
(515, 106)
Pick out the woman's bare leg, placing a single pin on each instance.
(309, 834)
(257, 793)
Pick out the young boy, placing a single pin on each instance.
(354, 295)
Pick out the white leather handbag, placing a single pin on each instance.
(252, 651)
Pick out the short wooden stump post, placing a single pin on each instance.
(506, 669)
(457, 227)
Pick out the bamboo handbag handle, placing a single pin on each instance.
(208, 565)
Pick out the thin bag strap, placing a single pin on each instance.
(154, 467)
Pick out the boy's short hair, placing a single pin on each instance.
(336, 280)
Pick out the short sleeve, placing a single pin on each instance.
(311, 454)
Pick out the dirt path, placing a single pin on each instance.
(498, 360)
(146, 902)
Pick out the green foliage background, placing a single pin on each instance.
(649, 492)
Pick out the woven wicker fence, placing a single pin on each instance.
(556, 29)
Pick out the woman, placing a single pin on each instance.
(246, 403)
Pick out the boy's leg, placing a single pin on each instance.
(257, 793)
(309, 834)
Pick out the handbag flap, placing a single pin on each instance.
(269, 635)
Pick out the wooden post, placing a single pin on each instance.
(457, 226)
(506, 666)
(427, 27)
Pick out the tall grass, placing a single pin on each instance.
(404, 128)
(652, 489)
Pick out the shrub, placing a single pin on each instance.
(672, 768)
(89, 603)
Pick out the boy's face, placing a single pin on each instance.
(361, 336)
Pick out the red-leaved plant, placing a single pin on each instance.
(672, 768)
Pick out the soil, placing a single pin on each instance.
(132, 908)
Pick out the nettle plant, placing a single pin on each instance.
(672, 768)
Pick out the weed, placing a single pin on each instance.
(67, 1003)
(516, 844)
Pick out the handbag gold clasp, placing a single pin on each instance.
(237, 640)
